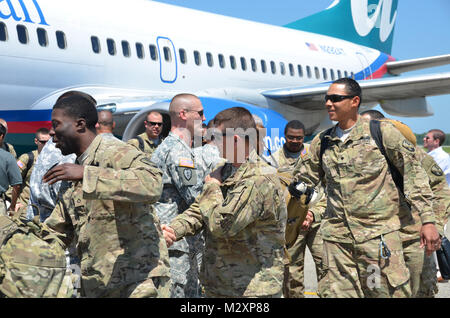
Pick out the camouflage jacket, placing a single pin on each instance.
(43, 197)
(22, 163)
(280, 158)
(440, 201)
(109, 213)
(149, 145)
(244, 222)
(184, 171)
(362, 199)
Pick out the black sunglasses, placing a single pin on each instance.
(42, 141)
(337, 98)
(152, 123)
(199, 112)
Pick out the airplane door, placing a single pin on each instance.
(168, 67)
(367, 71)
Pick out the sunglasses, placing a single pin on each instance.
(337, 98)
(299, 138)
(152, 123)
(43, 142)
(199, 112)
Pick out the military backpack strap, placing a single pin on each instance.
(141, 142)
(323, 147)
(30, 160)
(7, 148)
(375, 131)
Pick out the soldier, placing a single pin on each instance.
(26, 163)
(361, 222)
(243, 215)
(9, 176)
(150, 139)
(3, 144)
(105, 124)
(299, 234)
(107, 209)
(183, 173)
(422, 268)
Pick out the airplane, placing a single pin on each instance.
(134, 56)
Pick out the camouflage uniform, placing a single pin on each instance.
(363, 208)
(184, 171)
(22, 163)
(149, 145)
(244, 222)
(43, 197)
(109, 214)
(9, 148)
(30, 266)
(422, 267)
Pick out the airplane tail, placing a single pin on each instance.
(365, 22)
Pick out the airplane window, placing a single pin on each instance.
(167, 54)
(300, 70)
(22, 33)
(282, 68)
(209, 59)
(345, 73)
(291, 69)
(197, 58)
(332, 75)
(42, 37)
(339, 74)
(243, 64)
(308, 71)
(253, 63)
(61, 39)
(111, 46)
(221, 61)
(140, 50)
(95, 44)
(273, 67)
(263, 66)
(233, 62)
(325, 75)
(316, 71)
(126, 49)
(153, 52)
(3, 32)
(183, 57)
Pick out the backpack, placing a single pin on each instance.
(31, 267)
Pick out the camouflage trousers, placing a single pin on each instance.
(422, 269)
(358, 269)
(293, 285)
(184, 271)
(3, 209)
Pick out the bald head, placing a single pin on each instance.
(105, 122)
(3, 122)
(181, 102)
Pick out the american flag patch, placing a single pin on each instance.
(186, 162)
(20, 164)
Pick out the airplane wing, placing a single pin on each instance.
(398, 67)
(394, 92)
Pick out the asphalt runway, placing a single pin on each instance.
(311, 278)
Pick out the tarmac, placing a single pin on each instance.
(311, 278)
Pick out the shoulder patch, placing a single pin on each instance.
(436, 170)
(408, 145)
(20, 164)
(186, 162)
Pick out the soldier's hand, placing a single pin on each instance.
(169, 235)
(308, 221)
(66, 171)
(429, 238)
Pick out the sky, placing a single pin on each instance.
(422, 29)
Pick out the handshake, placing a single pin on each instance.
(297, 189)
